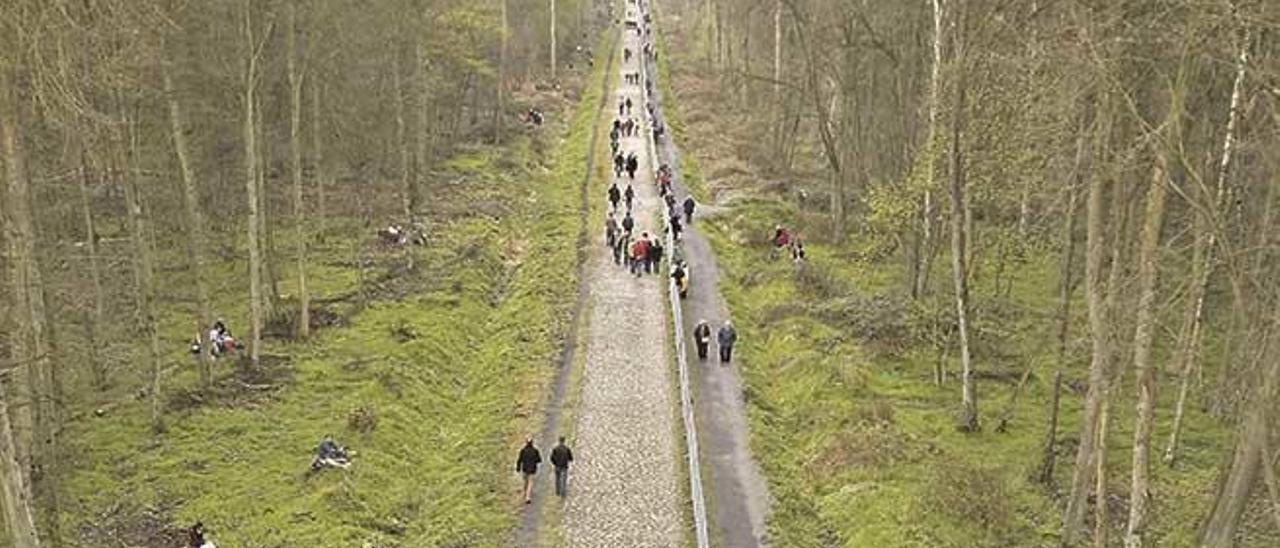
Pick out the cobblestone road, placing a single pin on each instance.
(624, 490)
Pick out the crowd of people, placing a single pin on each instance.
(639, 251)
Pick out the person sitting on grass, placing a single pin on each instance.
(220, 341)
(330, 454)
(195, 537)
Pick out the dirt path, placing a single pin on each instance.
(738, 493)
(527, 534)
(623, 488)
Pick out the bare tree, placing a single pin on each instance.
(295, 166)
(251, 51)
(193, 218)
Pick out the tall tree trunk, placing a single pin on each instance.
(295, 161)
(408, 189)
(97, 365)
(553, 40)
(777, 52)
(1139, 492)
(1241, 476)
(1188, 353)
(925, 255)
(500, 116)
(959, 245)
(17, 402)
(143, 270)
(1100, 520)
(251, 184)
(1099, 370)
(266, 235)
(1065, 285)
(194, 220)
(825, 133)
(317, 153)
(422, 143)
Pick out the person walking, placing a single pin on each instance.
(628, 224)
(726, 339)
(689, 205)
(615, 195)
(561, 456)
(619, 162)
(654, 257)
(702, 338)
(633, 164)
(620, 246)
(527, 465)
(630, 196)
(640, 255)
(610, 229)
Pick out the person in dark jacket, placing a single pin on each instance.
(615, 195)
(633, 164)
(681, 277)
(689, 205)
(561, 456)
(629, 195)
(619, 162)
(702, 338)
(726, 338)
(628, 224)
(527, 465)
(654, 257)
(621, 247)
(610, 229)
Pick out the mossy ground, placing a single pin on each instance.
(451, 356)
(857, 442)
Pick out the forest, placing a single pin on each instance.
(991, 273)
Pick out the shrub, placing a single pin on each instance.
(362, 419)
(972, 494)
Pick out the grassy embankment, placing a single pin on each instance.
(432, 374)
(858, 444)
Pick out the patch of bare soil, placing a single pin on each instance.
(244, 387)
(149, 527)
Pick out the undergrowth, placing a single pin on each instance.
(435, 369)
(858, 444)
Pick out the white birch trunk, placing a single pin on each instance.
(295, 164)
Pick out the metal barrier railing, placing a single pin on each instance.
(677, 322)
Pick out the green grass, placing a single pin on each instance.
(453, 368)
(860, 447)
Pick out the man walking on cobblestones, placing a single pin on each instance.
(527, 466)
(561, 456)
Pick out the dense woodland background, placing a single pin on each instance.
(1038, 310)
(1042, 279)
(169, 163)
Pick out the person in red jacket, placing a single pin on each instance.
(640, 254)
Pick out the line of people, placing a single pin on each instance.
(643, 251)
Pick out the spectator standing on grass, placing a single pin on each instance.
(527, 465)
(561, 456)
(726, 338)
(702, 338)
